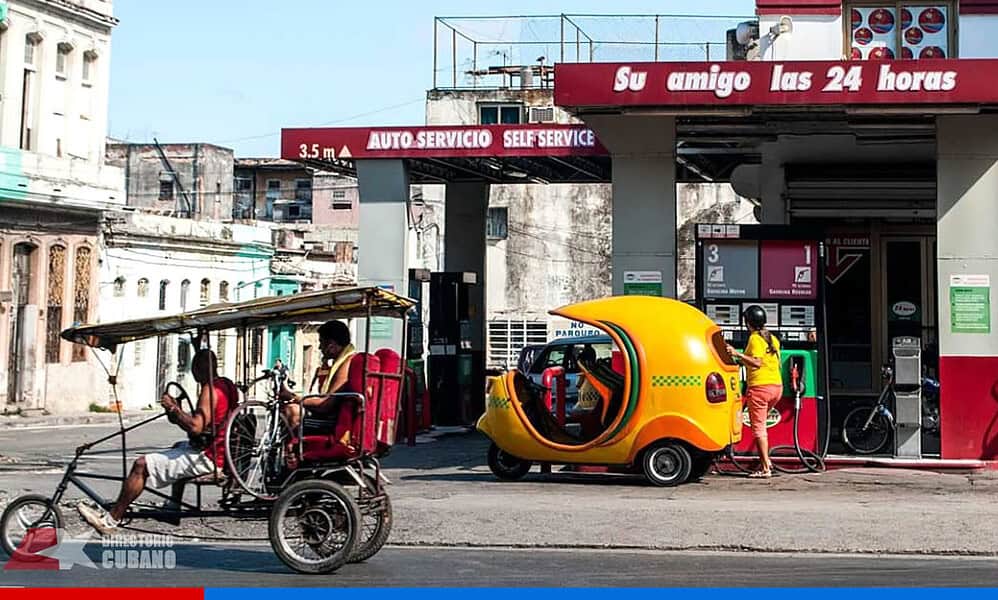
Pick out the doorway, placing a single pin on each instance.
(880, 284)
(23, 322)
(909, 288)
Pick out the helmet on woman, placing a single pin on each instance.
(755, 316)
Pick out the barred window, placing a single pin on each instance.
(497, 223)
(81, 295)
(56, 291)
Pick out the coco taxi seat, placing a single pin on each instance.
(617, 361)
(337, 438)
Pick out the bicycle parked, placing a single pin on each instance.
(868, 429)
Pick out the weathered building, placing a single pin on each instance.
(187, 180)
(271, 189)
(54, 186)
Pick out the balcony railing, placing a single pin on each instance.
(520, 51)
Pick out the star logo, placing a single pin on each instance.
(46, 548)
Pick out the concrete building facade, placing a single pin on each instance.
(188, 180)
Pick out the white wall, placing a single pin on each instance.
(65, 164)
(814, 37)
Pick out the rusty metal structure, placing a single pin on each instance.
(520, 51)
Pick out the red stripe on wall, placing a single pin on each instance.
(968, 406)
(798, 7)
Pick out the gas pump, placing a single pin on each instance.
(417, 415)
(779, 268)
(456, 363)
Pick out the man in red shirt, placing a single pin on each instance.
(184, 460)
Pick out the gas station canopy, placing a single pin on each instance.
(536, 153)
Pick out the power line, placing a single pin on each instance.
(343, 120)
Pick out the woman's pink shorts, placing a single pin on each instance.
(760, 399)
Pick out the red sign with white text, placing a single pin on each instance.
(788, 270)
(949, 81)
(439, 142)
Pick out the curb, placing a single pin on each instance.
(17, 422)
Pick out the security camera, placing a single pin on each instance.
(747, 32)
(786, 25)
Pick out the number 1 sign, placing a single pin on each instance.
(789, 270)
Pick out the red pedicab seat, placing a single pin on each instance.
(336, 438)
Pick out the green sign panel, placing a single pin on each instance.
(642, 283)
(970, 303)
(13, 182)
(381, 328)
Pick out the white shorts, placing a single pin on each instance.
(180, 462)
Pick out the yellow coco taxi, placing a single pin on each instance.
(665, 402)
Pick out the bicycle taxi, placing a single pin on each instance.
(324, 500)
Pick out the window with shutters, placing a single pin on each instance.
(56, 292)
(185, 287)
(205, 292)
(81, 294)
(142, 288)
(223, 291)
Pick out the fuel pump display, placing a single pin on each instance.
(780, 269)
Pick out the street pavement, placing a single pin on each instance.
(448, 507)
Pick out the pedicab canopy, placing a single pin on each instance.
(308, 307)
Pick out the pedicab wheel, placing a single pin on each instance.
(314, 526)
(26, 518)
(505, 466)
(667, 464)
(255, 449)
(375, 527)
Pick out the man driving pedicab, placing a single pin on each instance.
(200, 455)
